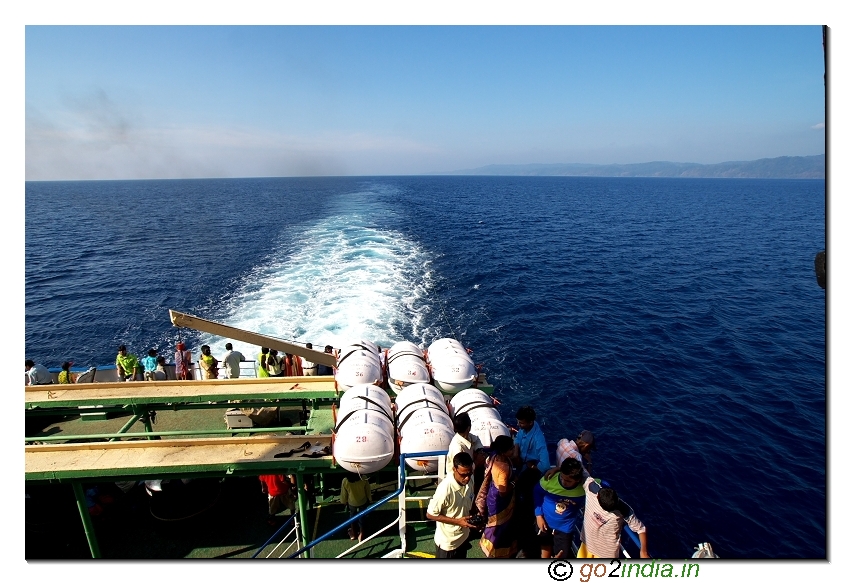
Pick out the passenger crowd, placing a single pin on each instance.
(153, 367)
(523, 506)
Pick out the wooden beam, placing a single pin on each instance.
(182, 320)
(174, 457)
(139, 392)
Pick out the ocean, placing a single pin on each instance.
(680, 320)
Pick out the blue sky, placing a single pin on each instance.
(201, 101)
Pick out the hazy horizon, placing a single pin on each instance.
(136, 102)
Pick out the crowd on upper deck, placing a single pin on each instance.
(153, 367)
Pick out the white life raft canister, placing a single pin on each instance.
(452, 369)
(486, 421)
(426, 430)
(364, 439)
(415, 397)
(406, 366)
(357, 365)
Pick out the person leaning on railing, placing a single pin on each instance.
(37, 374)
(604, 517)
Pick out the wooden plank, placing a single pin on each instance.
(170, 457)
(287, 441)
(147, 392)
(182, 320)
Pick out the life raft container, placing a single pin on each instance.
(358, 364)
(364, 436)
(418, 396)
(406, 366)
(452, 369)
(486, 421)
(426, 429)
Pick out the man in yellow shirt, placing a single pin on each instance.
(126, 365)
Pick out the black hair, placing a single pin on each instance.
(66, 365)
(462, 423)
(264, 350)
(462, 460)
(352, 477)
(152, 352)
(29, 363)
(122, 348)
(228, 346)
(329, 348)
(160, 360)
(205, 350)
(608, 499)
(526, 413)
(502, 444)
(309, 345)
(571, 468)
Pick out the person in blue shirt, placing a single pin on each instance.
(558, 501)
(530, 445)
(149, 363)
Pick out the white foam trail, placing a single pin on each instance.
(348, 281)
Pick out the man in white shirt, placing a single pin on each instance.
(463, 440)
(231, 361)
(450, 508)
(37, 374)
(308, 368)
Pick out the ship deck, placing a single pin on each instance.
(220, 512)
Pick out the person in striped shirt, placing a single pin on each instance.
(604, 517)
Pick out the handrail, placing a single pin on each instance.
(402, 482)
(402, 479)
(276, 533)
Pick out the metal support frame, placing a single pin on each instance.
(302, 508)
(88, 526)
(402, 475)
(125, 428)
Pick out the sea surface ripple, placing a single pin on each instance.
(678, 319)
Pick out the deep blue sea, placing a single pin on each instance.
(678, 319)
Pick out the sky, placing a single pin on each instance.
(126, 102)
(438, 85)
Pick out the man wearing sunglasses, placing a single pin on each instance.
(450, 507)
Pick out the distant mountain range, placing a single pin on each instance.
(782, 167)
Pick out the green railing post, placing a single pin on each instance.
(88, 526)
(302, 509)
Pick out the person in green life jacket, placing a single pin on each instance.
(126, 365)
(262, 370)
(65, 377)
(274, 364)
(558, 501)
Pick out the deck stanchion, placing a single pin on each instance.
(88, 526)
(302, 509)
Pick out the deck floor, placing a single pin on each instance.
(206, 518)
